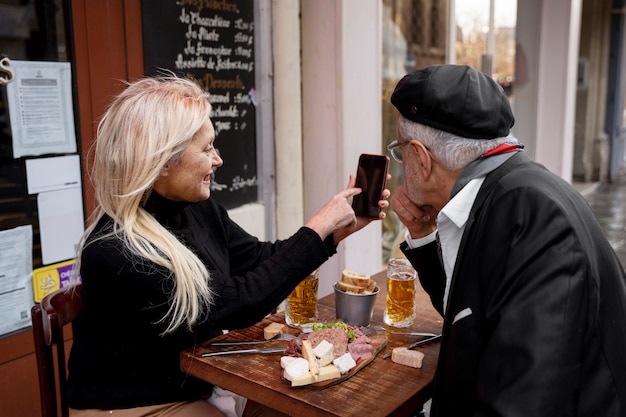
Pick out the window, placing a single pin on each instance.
(29, 31)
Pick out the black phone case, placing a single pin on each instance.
(371, 176)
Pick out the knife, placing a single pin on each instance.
(252, 350)
(372, 329)
(413, 333)
(228, 342)
(416, 344)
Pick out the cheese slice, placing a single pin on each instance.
(344, 363)
(296, 368)
(307, 353)
(325, 373)
(324, 352)
(286, 360)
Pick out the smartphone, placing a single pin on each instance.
(371, 175)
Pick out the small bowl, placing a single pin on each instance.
(355, 309)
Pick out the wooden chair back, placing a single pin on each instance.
(55, 311)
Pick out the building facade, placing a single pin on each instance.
(324, 74)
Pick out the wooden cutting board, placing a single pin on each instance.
(378, 340)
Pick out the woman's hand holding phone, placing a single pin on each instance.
(371, 177)
(333, 216)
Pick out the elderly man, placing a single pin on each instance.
(532, 294)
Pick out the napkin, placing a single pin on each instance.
(229, 403)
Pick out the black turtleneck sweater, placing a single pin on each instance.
(119, 358)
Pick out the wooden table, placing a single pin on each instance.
(382, 388)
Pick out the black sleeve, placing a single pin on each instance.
(246, 298)
(431, 274)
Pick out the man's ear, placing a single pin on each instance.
(424, 160)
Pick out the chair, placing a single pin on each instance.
(48, 318)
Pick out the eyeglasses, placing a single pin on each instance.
(395, 151)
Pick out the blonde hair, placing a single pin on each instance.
(147, 126)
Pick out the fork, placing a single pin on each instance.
(280, 336)
(372, 329)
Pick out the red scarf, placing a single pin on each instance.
(504, 148)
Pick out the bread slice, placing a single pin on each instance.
(355, 278)
(273, 329)
(346, 287)
(404, 356)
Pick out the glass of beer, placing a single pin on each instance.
(301, 306)
(400, 303)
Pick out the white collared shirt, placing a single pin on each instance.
(451, 222)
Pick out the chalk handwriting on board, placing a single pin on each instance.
(239, 182)
(212, 42)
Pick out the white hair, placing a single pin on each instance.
(452, 151)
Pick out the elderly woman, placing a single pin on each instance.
(162, 264)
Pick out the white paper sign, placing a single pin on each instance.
(55, 173)
(16, 289)
(40, 108)
(61, 223)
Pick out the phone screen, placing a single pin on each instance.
(371, 175)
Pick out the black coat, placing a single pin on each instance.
(546, 336)
(119, 358)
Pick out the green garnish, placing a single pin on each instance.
(350, 330)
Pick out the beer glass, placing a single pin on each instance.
(400, 303)
(301, 306)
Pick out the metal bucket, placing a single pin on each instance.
(355, 309)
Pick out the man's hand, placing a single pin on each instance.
(419, 220)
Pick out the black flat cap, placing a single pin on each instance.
(457, 99)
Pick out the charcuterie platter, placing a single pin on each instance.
(316, 365)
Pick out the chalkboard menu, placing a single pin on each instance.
(212, 42)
